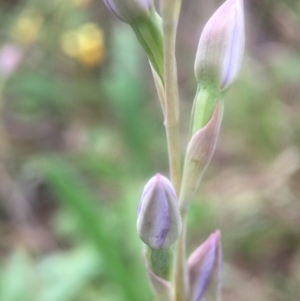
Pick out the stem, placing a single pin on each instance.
(181, 277)
(170, 14)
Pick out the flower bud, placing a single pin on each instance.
(147, 26)
(159, 221)
(129, 10)
(205, 269)
(221, 47)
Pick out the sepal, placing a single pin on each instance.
(199, 153)
(161, 288)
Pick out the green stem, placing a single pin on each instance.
(170, 14)
(181, 277)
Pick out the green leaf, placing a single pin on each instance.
(69, 190)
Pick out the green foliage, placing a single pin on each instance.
(61, 178)
(83, 139)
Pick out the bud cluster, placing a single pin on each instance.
(161, 215)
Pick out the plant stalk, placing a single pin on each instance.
(170, 13)
(181, 277)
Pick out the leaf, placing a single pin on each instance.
(65, 183)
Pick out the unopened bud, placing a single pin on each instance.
(205, 269)
(221, 47)
(159, 221)
(129, 10)
(146, 24)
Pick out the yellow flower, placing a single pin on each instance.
(27, 27)
(69, 43)
(85, 44)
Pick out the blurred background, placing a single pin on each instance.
(81, 132)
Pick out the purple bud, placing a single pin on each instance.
(129, 10)
(205, 269)
(159, 221)
(221, 47)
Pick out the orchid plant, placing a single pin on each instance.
(164, 205)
